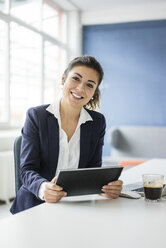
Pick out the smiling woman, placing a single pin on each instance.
(63, 135)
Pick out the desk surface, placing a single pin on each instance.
(98, 223)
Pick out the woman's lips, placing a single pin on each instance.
(76, 96)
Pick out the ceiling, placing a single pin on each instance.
(97, 4)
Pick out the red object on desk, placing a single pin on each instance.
(127, 163)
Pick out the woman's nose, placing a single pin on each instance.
(81, 87)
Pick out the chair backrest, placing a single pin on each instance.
(17, 147)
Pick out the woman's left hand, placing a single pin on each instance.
(112, 189)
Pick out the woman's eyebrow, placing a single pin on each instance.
(81, 77)
(91, 81)
(78, 74)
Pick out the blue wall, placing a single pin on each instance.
(133, 56)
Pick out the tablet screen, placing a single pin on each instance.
(87, 181)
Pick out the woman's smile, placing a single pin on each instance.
(78, 97)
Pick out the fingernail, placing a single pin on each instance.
(110, 184)
(65, 194)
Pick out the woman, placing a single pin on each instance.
(63, 135)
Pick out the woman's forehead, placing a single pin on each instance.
(85, 71)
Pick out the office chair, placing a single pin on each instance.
(17, 147)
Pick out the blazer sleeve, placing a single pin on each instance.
(30, 153)
(95, 159)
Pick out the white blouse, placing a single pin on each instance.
(69, 152)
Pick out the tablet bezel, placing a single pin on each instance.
(86, 181)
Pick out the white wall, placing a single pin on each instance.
(74, 34)
(125, 13)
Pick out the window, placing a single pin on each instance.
(30, 11)
(51, 18)
(55, 58)
(25, 78)
(2, 5)
(32, 56)
(3, 117)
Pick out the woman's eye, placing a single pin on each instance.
(76, 78)
(90, 85)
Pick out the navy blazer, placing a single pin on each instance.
(40, 150)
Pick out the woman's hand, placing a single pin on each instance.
(53, 193)
(112, 190)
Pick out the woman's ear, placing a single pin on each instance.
(63, 79)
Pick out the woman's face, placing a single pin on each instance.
(79, 86)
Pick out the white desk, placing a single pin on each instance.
(102, 223)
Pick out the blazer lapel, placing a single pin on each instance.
(85, 138)
(53, 142)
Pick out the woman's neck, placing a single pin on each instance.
(68, 112)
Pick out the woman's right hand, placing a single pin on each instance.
(53, 193)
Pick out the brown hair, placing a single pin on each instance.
(92, 63)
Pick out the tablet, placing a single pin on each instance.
(87, 181)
